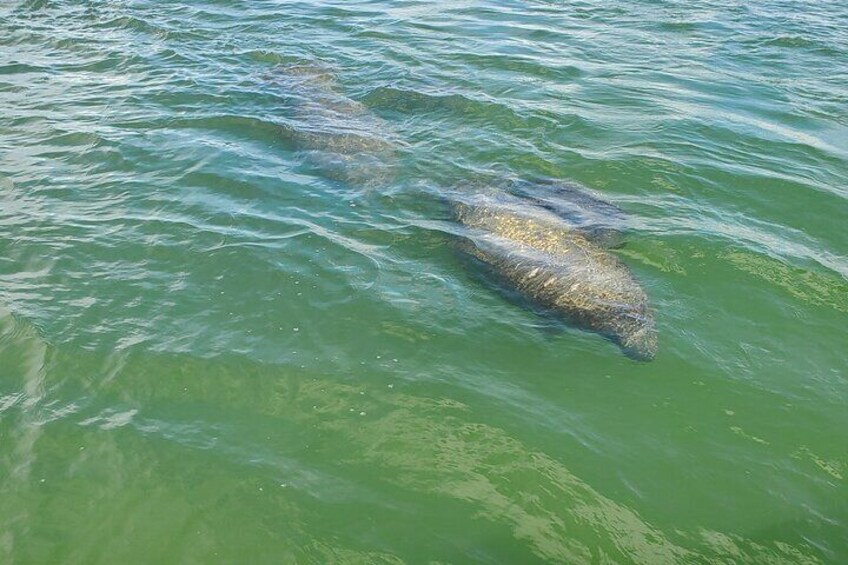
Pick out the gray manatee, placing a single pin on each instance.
(549, 260)
(339, 135)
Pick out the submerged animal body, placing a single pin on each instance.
(559, 267)
(339, 135)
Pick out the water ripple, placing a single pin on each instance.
(269, 181)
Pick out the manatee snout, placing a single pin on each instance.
(641, 343)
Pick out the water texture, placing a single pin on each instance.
(235, 326)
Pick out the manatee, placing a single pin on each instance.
(337, 134)
(559, 267)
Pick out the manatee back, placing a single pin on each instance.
(579, 207)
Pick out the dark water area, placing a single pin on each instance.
(235, 324)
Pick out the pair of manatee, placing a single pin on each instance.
(548, 240)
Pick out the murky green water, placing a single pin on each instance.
(235, 328)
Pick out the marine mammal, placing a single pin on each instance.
(339, 135)
(559, 267)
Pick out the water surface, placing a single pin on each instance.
(226, 336)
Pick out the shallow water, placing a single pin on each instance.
(226, 336)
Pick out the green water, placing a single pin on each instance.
(223, 341)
